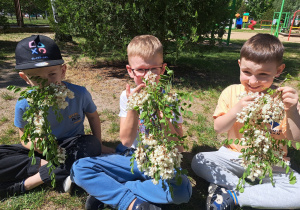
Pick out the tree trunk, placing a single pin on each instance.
(19, 16)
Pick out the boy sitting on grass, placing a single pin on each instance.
(108, 179)
(39, 57)
(260, 62)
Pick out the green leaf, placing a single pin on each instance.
(289, 143)
(242, 190)
(236, 141)
(242, 130)
(162, 121)
(297, 145)
(287, 169)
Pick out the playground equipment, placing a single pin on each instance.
(239, 21)
(292, 25)
(264, 23)
(284, 25)
(245, 18)
(253, 22)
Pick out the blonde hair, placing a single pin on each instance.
(145, 46)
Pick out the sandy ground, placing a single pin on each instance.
(246, 36)
(105, 83)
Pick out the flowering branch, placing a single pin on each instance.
(38, 130)
(262, 151)
(157, 154)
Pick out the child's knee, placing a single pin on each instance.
(183, 192)
(77, 171)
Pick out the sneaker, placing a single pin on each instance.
(143, 205)
(93, 204)
(68, 185)
(219, 198)
(10, 189)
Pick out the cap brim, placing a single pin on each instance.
(42, 64)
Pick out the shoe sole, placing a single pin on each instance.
(211, 189)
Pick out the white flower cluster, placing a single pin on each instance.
(171, 98)
(138, 99)
(265, 109)
(38, 121)
(151, 77)
(158, 159)
(60, 94)
(61, 154)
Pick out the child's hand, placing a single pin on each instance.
(135, 90)
(289, 98)
(244, 102)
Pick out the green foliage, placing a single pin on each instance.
(289, 5)
(110, 25)
(157, 144)
(38, 131)
(258, 7)
(7, 96)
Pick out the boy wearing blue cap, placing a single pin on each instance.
(39, 56)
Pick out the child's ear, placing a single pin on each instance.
(24, 77)
(63, 69)
(280, 70)
(239, 62)
(163, 69)
(129, 70)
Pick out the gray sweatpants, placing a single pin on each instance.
(223, 168)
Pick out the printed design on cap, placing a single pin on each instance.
(37, 50)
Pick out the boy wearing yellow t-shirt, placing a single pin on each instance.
(260, 62)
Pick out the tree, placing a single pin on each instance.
(258, 7)
(289, 5)
(111, 24)
(19, 16)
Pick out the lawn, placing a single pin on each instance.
(201, 69)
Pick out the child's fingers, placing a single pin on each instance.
(139, 87)
(127, 90)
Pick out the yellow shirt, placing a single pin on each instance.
(228, 99)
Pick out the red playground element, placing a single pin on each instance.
(253, 22)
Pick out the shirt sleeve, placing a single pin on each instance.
(223, 104)
(20, 108)
(123, 104)
(88, 103)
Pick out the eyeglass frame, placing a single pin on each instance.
(147, 70)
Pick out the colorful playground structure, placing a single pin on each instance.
(292, 25)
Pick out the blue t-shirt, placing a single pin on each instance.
(73, 115)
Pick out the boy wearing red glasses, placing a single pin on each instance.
(108, 179)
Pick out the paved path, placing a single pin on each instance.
(246, 36)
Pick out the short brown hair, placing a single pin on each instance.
(263, 48)
(145, 46)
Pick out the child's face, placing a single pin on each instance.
(138, 65)
(53, 74)
(258, 77)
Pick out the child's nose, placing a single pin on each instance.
(253, 80)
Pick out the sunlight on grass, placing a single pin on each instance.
(200, 69)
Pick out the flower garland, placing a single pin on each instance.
(261, 151)
(156, 155)
(38, 130)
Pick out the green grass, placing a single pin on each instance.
(4, 119)
(27, 21)
(202, 70)
(7, 96)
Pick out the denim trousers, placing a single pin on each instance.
(109, 179)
